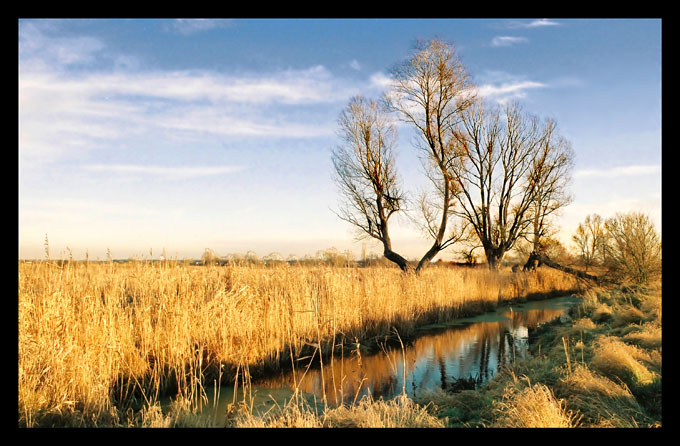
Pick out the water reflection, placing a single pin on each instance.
(454, 357)
(447, 359)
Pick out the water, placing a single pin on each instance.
(464, 353)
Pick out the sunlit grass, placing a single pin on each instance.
(533, 405)
(100, 342)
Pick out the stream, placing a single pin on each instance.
(460, 354)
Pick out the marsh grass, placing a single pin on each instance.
(366, 413)
(603, 401)
(533, 405)
(626, 362)
(99, 342)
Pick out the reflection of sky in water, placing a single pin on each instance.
(434, 360)
(437, 359)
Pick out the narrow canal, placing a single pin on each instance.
(463, 353)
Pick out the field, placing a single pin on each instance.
(99, 343)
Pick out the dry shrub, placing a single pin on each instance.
(398, 412)
(651, 304)
(533, 406)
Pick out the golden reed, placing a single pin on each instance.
(96, 339)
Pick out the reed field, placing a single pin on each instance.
(99, 343)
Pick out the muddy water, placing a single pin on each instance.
(461, 354)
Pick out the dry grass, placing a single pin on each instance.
(626, 362)
(533, 406)
(648, 336)
(366, 413)
(399, 412)
(603, 402)
(95, 341)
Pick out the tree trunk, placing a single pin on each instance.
(396, 258)
(494, 257)
(427, 257)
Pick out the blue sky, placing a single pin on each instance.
(139, 135)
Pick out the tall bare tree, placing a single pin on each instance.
(366, 174)
(429, 91)
(499, 172)
(551, 174)
(507, 175)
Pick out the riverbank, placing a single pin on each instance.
(100, 343)
(601, 369)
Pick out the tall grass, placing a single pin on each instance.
(100, 341)
(533, 405)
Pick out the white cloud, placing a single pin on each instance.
(380, 80)
(37, 49)
(502, 86)
(507, 40)
(533, 24)
(541, 22)
(355, 65)
(178, 173)
(192, 26)
(507, 91)
(65, 114)
(620, 171)
(313, 85)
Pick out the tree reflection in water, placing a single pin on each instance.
(453, 358)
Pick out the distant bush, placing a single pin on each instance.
(633, 248)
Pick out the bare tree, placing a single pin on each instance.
(589, 237)
(551, 175)
(500, 173)
(507, 175)
(366, 174)
(429, 91)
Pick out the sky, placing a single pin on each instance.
(144, 136)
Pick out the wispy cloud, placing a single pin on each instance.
(64, 112)
(40, 50)
(502, 87)
(619, 171)
(165, 172)
(514, 89)
(507, 40)
(67, 114)
(380, 80)
(192, 26)
(532, 24)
